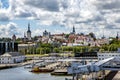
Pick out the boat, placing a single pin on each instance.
(38, 69)
(60, 72)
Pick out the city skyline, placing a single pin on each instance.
(59, 16)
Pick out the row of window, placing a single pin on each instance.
(5, 62)
(5, 58)
(101, 58)
(108, 55)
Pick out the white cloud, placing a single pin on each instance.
(83, 14)
(50, 5)
(9, 29)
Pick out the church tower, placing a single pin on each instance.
(29, 32)
(117, 37)
(73, 29)
(14, 37)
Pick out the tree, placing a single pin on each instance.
(38, 50)
(45, 45)
(101, 50)
(47, 50)
(90, 50)
(56, 50)
(113, 47)
(92, 35)
(67, 35)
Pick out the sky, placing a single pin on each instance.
(101, 17)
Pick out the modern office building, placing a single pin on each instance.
(8, 47)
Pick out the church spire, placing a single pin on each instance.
(73, 29)
(103, 37)
(29, 32)
(117, 36)
(28, 26)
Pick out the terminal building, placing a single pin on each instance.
(105, 55)
(102, 56)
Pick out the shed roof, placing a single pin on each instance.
(9, 54)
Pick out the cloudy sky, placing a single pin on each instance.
(59, 16)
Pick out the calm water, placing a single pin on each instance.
(24, 74)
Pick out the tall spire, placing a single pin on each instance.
(73, 29)
(29, 32)
(28, 26)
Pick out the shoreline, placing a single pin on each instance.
(7, 66)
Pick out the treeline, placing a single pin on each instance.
(113, 46)
(46, 48)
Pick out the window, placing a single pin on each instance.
(112, 55)
(9, 58)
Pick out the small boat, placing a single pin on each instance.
(38, 69)
(59, 72)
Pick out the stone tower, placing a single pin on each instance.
(29, 32)
(14, 37)
(73, 29)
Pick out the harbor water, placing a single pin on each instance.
(20, 73)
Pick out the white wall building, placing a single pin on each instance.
(102, 56)
(59, 36)
(11, 57)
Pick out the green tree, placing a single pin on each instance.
(56, 50)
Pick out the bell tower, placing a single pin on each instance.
(29, 32)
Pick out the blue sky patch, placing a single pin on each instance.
(5, 3)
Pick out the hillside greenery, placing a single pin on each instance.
(46, 48)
